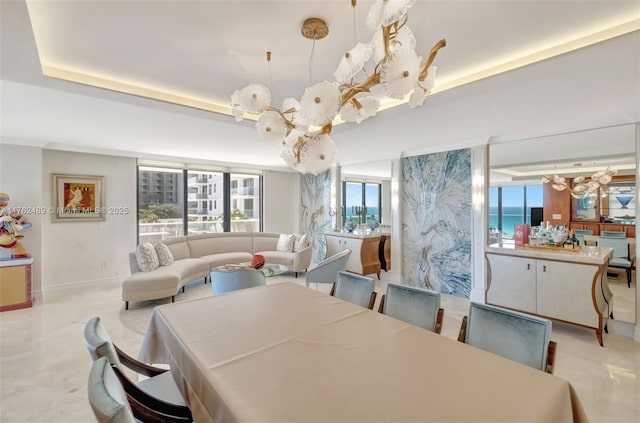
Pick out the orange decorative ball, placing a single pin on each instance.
(257, 261)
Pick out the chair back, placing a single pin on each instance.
(619, 245)
(99, 343)
(327, 270)
(613, 234)
(106, 394)
(226, 281)
(356, 289)
(417, 306)
(516, 336)
(583, 231)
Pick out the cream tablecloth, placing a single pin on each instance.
(284, 353)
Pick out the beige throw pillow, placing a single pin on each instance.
(285, 242)
(301, 242)
(165, 257)
(147, 257)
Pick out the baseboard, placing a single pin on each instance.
(54, 289)
(625, 329)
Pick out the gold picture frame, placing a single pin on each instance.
(78, 197)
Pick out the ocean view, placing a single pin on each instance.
(510, 217)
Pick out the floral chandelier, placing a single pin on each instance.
(397, 69)
(582, 186)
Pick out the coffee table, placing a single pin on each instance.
(269, 269)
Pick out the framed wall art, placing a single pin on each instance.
(78, 197)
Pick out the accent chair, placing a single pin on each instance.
(327, 270)
(620, 258)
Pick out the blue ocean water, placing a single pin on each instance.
(510, 216)
(370, 211)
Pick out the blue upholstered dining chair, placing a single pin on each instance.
(158, 392)
(226, 281)
(516, 336)
(417, 306)
(580, 233)
(613, 234)
(327, 270)
(620, 254)
(107, 397)
(356, 289)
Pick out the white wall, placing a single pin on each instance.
(281, 202)
(21, 178)
(83, 251)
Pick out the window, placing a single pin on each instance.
(361, 201)
(173, 202)
(160, 203)
(245, 211)
(511, 205)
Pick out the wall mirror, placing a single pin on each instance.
(518, 195)
(366, 193)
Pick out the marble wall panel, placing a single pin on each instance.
(315, 219)
(436, 221)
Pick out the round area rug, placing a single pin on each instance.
(137, 317)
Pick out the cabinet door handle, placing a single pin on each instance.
(528, 266)
(544, 268)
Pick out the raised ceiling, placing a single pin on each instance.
(198, 52)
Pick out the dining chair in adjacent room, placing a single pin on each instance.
(517, 336)
(613, 234)
(620, 258)
(226, 281)
(159, 391)
(356, 289)
(580, 233)
(417, 306)
(327, 270)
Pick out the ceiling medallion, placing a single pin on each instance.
(314, 29)
(302, 127)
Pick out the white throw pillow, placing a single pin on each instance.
(301, 242)
(165, 257)
(147, 257)
(285, 242)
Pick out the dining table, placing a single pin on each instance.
(286, 353)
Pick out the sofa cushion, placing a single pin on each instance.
(278, 257)
(221, 259)
(178, 247)
(285, 242)
(265, 241)
(165, 257)
(208, 244)
(146, 257)
(301, 242)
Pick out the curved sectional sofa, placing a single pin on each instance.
(195, 255)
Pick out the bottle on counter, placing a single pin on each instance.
(568, 242)
(574, 239)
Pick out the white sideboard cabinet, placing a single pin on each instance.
(364, 258)
(563, 285)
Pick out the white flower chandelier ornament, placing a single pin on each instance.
(397, 68)
(582, 186)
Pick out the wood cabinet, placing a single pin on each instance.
(597, 228)
(561, 285)
(15, 284)
(364, 258)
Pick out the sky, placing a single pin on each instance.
(514, 196)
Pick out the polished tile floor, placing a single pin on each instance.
(44, 363)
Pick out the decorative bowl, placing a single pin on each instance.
(624, 201)
(257, 261)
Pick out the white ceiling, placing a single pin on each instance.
(204, 50)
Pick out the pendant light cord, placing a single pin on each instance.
(313, 46)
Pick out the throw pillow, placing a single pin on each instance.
(301, 242)
(146, 257)
(285, 242)
(165, 257)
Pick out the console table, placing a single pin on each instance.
(364, 258)
(15, 284)
(558, 284)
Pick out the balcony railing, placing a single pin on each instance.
(150, 232)
(243, 191)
